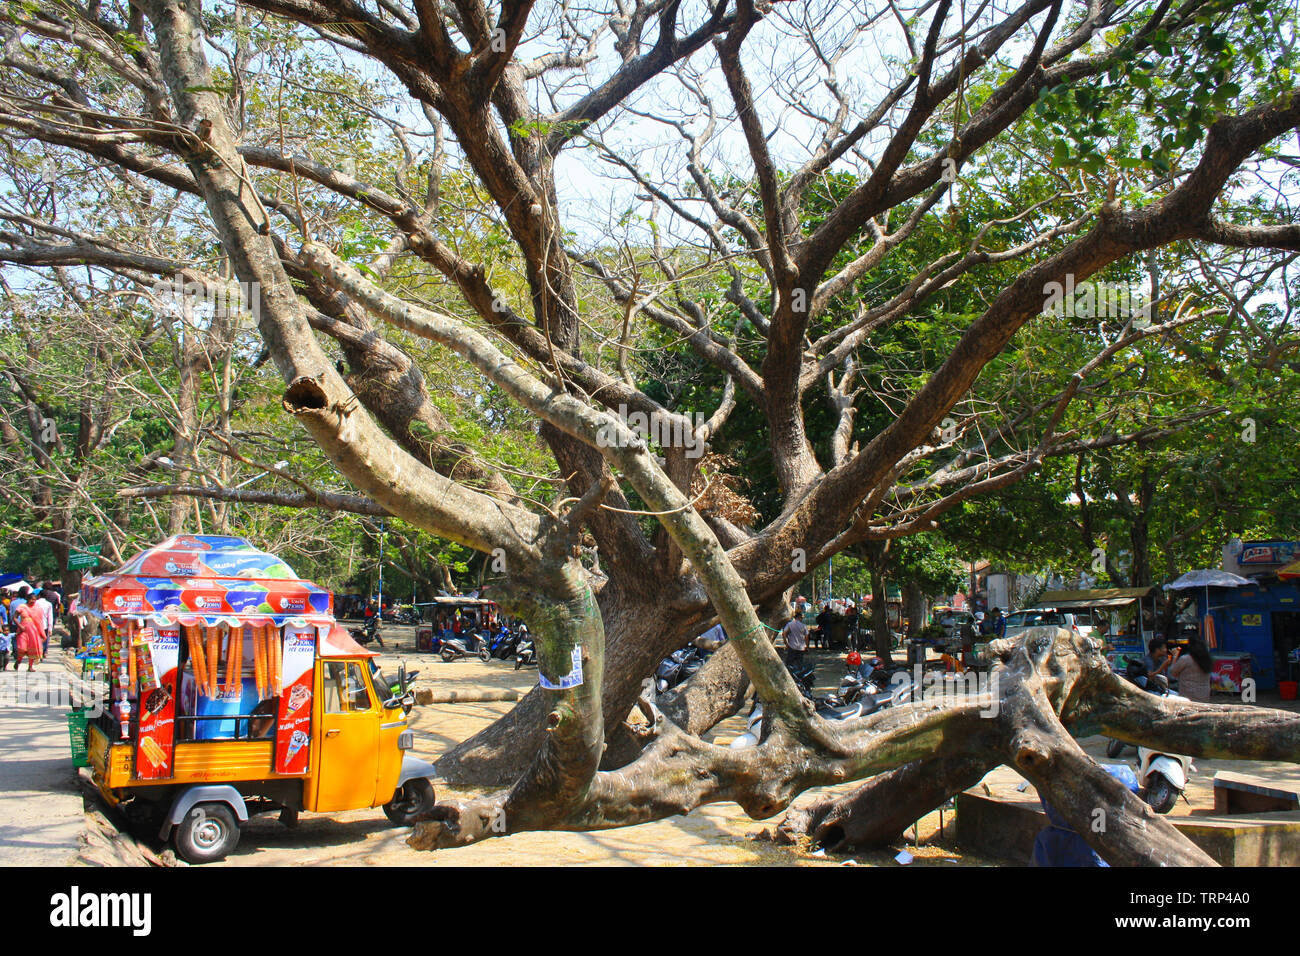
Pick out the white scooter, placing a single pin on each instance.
(753, 728)
(1162, 776)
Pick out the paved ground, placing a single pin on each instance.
(41, 807)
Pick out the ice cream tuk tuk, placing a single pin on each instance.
(232, 691)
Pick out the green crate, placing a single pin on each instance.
(94, 668)
(77, 737)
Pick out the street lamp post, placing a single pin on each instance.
(383, 527)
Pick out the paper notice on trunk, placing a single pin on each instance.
(571, 679)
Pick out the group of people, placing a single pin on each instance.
(1191, 668)
(820, 635)
(27, 623)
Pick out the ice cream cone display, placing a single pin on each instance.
(275, 646)
(195, 646)
(214, 660)
(234, 659)
(259, 662)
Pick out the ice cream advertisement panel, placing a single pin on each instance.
(293, 730)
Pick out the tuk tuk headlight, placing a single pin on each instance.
(405, 740)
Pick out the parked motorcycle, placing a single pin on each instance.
(805, 675)
(367, 632)
(525, 652)
(753, 727)
(469, 642)
(678, 667)
(397, 689)
(1162, 776)
(502, 644)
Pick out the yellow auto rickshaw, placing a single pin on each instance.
(232, 691)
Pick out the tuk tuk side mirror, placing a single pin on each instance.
(403, 700)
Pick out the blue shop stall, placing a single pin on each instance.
(1261, 619)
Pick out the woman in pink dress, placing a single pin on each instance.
(31, 636)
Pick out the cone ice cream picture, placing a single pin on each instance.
(292, 752)
(157, 706)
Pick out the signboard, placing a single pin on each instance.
(156, 749)
(1228, 673)
(293, 726)
(1268, 552)
(84, 558)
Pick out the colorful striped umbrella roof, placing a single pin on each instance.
(207, 579)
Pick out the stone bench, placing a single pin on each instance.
(1242, 793)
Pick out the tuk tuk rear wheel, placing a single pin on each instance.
(207, 834)
(411, 799)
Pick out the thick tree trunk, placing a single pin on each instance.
(639, 634)
(913, 608)
(881, 633)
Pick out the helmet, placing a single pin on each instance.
(854, 659)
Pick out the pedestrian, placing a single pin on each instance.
(795, 633)
(31, 635)
(45, 606)
(1192, 671)
(16, 604)
(997, 623)
(822, 636)
(6, 642)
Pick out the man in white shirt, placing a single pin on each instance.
(795, 633)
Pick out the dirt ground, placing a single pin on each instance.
(715, 834)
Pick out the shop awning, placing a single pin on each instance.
(206, 579)
(1101, 603)
(1091, 597)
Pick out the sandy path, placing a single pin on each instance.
(41, 807)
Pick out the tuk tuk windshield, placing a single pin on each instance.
(344, 688)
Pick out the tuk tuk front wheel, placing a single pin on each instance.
(411, 799)
(207, 834)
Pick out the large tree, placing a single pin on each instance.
(773, 164)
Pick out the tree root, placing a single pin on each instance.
(876, 814)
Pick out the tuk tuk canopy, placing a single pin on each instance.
(209, 580)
